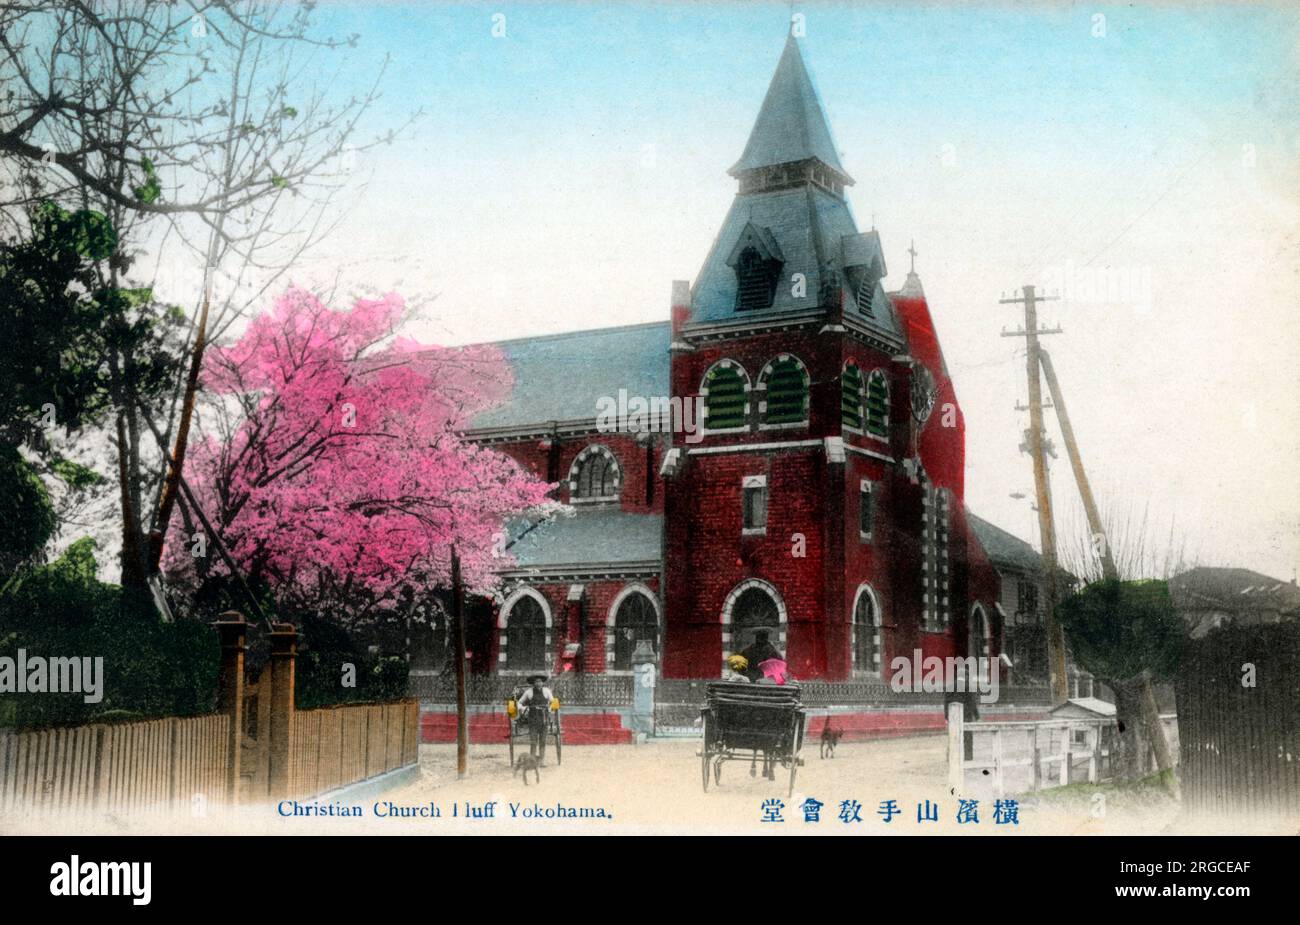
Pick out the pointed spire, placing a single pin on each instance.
(791, 125)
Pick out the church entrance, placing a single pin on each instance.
(754, 611)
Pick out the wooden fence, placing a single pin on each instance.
(1021, 757)
(336, 746)
(1239, 720)
(130, 767)
(165, 765)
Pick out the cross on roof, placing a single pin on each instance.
(912, 250)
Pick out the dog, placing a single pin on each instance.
(830, 738)
(527, 763)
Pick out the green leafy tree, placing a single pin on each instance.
(1127, 634)
(77, 349)
(27, 518)
(150, 668)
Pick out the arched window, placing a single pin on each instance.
(594, 475)
(851, 397)
(525, 624)
(784, 383)
(754, 612)
(726, 396)
(634, 618)
(877, 404)
(756, 280)
(866, 632)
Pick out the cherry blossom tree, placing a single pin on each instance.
(332, 467)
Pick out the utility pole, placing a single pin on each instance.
(1046, 525)
(1146, 706)
(458, 642)
(1108, 569)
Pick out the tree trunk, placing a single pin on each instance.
(172, 487)
(458, 635)
(133, 574)
(1131, 740)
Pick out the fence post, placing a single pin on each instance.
(956, 748)
(284, 652)
(230, 692)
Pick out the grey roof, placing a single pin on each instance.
(560, 377)
(813, 230)
(605, 535)
(1087, 705)
(1004, 548)
(791, 125)
(1233, 590)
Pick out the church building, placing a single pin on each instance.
(784, 454)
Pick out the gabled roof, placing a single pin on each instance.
(1086, 705)
(561, 377)
(1004, 548)
(791, 125)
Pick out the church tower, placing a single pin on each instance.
(821, 505)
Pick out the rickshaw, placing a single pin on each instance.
(517, 725)
(751, 722)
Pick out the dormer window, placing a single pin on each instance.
(755, 280)
(865, 293)
(757, 261)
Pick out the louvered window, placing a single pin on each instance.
(726, 401)
(865, 293)
(851, 397)
(877, 404)
(755, 280)
(786, 392)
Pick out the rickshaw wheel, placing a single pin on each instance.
(705, 753)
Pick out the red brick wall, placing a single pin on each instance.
(636, 466)
(566, 627)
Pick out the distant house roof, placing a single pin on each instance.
(1210, 597)
(1003, 548)
(607, 536)
(561, 377)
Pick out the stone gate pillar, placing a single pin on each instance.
(284, 652)
(233, 632)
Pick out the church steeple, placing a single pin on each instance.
(791, 140)
(789, 242)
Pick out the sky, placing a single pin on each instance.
(1139, 160)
